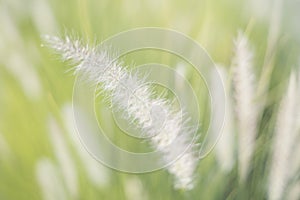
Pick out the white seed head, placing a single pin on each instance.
(131, 95)
(246, 109)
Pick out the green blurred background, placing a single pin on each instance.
(40, 156)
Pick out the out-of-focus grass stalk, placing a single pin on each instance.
(49, 180)
(15, 60)
(4, 148)
(268, 65)
(285, 135)
(84, 18)
(134, 189)
(294, 192)
(64, 157)
(43, 17)
(96, 172)
(225, 146)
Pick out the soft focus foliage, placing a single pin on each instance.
(41, 156)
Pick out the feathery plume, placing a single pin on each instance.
(132, 95)
(246, 110)
(285, 135)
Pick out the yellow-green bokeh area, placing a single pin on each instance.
(40, 154)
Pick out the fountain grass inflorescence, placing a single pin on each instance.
(173, 137)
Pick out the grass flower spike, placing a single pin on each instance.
(246, 109)
(131, 95)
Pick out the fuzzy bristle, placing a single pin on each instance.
(131, 95)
